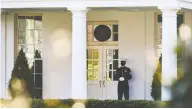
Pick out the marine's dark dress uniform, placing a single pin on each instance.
(123, 86)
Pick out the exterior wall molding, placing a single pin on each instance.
(170, 10)
(175, 5)
(94, 3)
(77, 3)
(186, 4)
(3, 12)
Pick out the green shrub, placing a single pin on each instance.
(92, 103)
(156, 84)
(22, 73)
(182, 88)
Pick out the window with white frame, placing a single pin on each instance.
(29, 38)
(102, 32)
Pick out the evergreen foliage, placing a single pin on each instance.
(156, 83)
(21, 72)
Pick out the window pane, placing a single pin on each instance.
(109, 65)
(115, 54)
(29, 50)
(89, 65)
(38, 81)
(40, 49)
(33, 78)
(159, 18)
(115, 28)
(38, 66)
(38, 22)
(38, 94)
(90, 75)
(29, 37)
(37, 37)
(21, 37)
(115, 37)
(179, 20)
(109, 75)
(21, 23)
(89, 54)
(109, 54)
(96, 65)
(115, 64)
(29, 22)
(115, 78)
(95, 53)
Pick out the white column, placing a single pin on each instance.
(169, 57)
(10, 48)
(79, 63)
(2, 56)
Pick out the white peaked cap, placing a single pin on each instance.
(123, 59)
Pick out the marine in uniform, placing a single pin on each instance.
(123, 74)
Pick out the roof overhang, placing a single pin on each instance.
(187, 4)
(8, 4)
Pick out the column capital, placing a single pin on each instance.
(78, 11)
(3, 12)
(169, 10)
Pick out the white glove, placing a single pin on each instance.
(121, 79)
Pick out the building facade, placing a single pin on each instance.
(80, 44)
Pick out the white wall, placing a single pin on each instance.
(188, 18)
(57, 55)
(136, 43)
(150, 51)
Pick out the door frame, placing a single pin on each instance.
(97, 84)
(102, 70)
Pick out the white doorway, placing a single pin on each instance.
(102, 62)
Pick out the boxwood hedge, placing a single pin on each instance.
(92, 103)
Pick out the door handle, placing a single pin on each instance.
(104, 83)
(100, 83)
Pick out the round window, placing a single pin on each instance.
(102, 33)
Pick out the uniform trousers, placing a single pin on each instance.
(123, 89)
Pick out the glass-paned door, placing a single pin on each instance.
(94, 67)
(110, 63)
(102, 62)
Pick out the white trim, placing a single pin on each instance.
(9, 48)
(2, 55)
(94, 3)
(78, 3)
(186, 4)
